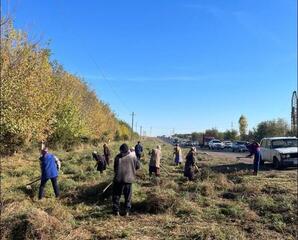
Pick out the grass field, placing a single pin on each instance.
(224, 202)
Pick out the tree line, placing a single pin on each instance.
(42, 101)
(269, 128)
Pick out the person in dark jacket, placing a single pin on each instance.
(100, 162)
(139, 150)
(189, 164)
(254, 149)
(49, 165)
(125, 166)
(106, 153)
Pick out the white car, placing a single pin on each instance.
(227, 144)
(215, 144)
(281, 151)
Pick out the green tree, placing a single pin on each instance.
(242, 126)
(230, 135)
(214, 133)
(272, 128)
(196, 137)
(41, 101)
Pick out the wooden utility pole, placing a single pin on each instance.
(132, 118)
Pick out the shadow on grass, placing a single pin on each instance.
(234, 168)
(90, 194)
(30, 191)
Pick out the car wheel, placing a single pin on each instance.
(276, 163)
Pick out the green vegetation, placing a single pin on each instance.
(272, 128)
(224, 202)
(242, 126)
(42, 101)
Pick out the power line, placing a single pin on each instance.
(109, 84)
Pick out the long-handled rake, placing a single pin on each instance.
(165, 170)
(28, 186)
(106, 188)
(197, 167)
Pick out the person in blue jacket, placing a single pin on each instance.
(139, 150)
(49, 165)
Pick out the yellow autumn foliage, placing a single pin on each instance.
(41, 101)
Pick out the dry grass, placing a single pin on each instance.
(222, 203)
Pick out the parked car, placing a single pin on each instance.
(227, 144)
(281, 151)
(215, 144)
(239, 146)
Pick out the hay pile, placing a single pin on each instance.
(161, 200)
(21, 220)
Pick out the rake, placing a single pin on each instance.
(28, 186)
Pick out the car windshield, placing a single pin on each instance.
(284, 143)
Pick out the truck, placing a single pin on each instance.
(206, 140)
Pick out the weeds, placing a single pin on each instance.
(221, 203)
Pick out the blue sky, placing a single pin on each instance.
(178, 64)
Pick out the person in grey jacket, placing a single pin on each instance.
(125, 166)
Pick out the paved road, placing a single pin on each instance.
(229, 155)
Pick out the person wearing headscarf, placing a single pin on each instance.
(106, 153)
(177, 154)
(101, 164)
(154, 164)
(189, 164)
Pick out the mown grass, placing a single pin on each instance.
(224, 202)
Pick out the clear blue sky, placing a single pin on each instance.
(182, 64)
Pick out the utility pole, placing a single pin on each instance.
(132, 118)
(141, 132)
